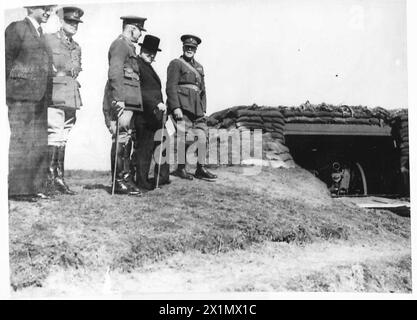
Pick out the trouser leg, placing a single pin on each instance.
(145, 144)
(28, 149)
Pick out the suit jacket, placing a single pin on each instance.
(151, 94)
(28, 63)
(182, 97)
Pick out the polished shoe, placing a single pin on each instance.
(42, 196)
(203, 173)
(183, 174)
(120, 187)
(133, 189)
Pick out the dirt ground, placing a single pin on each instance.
(273, 231)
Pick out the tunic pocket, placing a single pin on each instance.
(133, 94)
(65, 92)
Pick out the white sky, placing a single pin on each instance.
(266, 52)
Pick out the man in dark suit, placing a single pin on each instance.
(150, 120)
(123, 90)
(28, 67)
(186, 100)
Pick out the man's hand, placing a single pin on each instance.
(162, 107)
(178, 114)
(119, 107)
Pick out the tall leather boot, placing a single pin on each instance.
(59, 179)
(202, 173)
(127, 168)
(122, 186)
(52, 164)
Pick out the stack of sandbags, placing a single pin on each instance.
(329, 114)
(275, 150)
(399, 125)
(404, 134)
(266, 119)
(248, 118)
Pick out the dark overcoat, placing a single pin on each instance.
(151, 94)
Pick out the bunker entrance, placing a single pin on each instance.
(350, 164)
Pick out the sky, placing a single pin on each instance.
(272, 53)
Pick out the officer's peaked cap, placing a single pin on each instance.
(72, 13)
(190, 40)
(137, 21)
(41, 6)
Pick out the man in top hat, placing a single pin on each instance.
(186, 100)
(27, 81)
(151, 119)
(66, 60)
(123, 90)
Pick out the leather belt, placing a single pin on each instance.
(190, 86)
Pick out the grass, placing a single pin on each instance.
(94, 230)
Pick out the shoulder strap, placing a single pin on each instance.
(198, 75)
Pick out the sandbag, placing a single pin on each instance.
(274, 126)
(404, 131)
(257, 119)
(249, 113)
(286, 156)
(249, 125)
(275, 146)
(272, 113)
(375, 121)
(357, 121)
(274, 121)
(227, 122)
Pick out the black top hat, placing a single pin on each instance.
(150, 43)
(72, 13)
(136, 21)
(190, 40)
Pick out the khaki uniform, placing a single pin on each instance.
(66, 99)
(186, 90)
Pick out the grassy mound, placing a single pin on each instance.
(94, 230)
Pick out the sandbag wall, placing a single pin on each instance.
(404, 137)
(329, 114)
(399, 131)
(268, 119)
(399, 124)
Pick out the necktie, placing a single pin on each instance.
(40, 31)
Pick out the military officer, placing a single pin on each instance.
(123, 90)
(150, 120)
(28, 67)
(186, 99)
(66, 57)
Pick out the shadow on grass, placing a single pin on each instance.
(98, 186)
